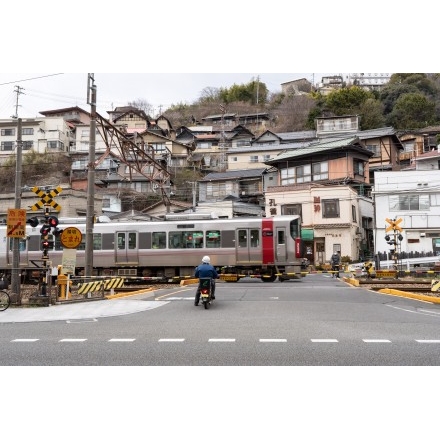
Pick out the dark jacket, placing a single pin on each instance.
(205, 270)
(335, 260)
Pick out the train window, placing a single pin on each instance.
(179, 240)
(295, 229)
(281, 237)
(212, 239)
(97, 242)
(121, 240)
(21, 245)
(132, 240)
(242, 238)
(159, 240)
(255, 238)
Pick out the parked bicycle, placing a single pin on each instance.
(5, 300)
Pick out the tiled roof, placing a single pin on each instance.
(319, 147)
(431, 154)
(267, 147)
(234, 174)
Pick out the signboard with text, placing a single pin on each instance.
(16, 223)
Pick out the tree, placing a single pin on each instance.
(347, 100)
(371, 114)
(142, 104)
(412, 110)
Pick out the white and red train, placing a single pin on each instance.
(268, 248)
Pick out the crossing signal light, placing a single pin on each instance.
(52, 221)
(34, 222)
(45, 230)
(47, 244)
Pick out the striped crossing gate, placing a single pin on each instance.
(96, 286)
(435, 285)
(92, 286)
(113, 283)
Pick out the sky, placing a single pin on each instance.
(49, 91)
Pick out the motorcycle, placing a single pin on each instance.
(335, 270)
(206, 291)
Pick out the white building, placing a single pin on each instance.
(413, 197)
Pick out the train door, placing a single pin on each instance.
(280, 245)
(248, 245)
(126, 247)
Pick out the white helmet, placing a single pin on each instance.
(206, 259)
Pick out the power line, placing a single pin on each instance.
(30, 79)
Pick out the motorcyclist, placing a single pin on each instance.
(335, 261)
(205, 270)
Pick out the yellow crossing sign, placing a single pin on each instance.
(46, 198)
(394, 225)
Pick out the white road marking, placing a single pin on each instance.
(25, 340)
(273, 340)
(221, 340)
(376, 340)
(121, 340)
(172, 340)
(72, 340)
(428, 341)
(324, 340)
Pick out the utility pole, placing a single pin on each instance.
(18, 91)
(91, 99)
(15, 275)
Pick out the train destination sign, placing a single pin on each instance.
(71, 238)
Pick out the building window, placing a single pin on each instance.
(374, 149)
(353, 213)
(27, 145)
(409, 202)
(292, 209)
(27, 131)
(53, 145)
(216, 190)
(287, 176)
(233, 159)
(7, 146)
(408, 147)
(303, 174)
(266, 157)
(8, 131)
(330, 208)
(358, 166)
(105, 203)
(253, 159)
(320, 171)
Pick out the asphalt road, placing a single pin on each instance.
(317, 321)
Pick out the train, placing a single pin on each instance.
(169, 250)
